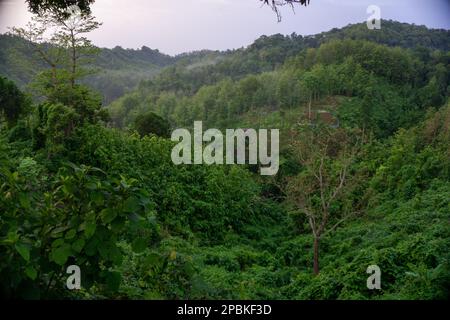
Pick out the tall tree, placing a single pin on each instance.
(151, 123)
(13, 102)
(321, 190)
(57, 37)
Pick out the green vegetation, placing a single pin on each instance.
(13, 103)
(95, 186)
(113, 71)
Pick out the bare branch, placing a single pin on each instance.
(275, 4)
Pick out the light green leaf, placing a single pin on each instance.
(97, 198)
(57, 243)
(89, 229)
(23, 250)
(71, 234)
(31, 272)
(61, 254)
(91, 186)
(78, 245)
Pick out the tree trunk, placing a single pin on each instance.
(74, 59)
(316, 256)
(309, 108)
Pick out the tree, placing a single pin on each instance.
(65, 52)
(39, 6)
(13, 102)
(66, 49)
(321, 191)
(151, 123)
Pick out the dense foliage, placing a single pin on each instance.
(76, 190)
(375, 81)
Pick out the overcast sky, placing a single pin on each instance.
(177, 26)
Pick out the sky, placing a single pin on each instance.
(178, 26)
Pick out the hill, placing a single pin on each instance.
(120, 70)
(282, 72)
(117, 70)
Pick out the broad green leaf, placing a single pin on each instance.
(23, 250)
(103, 249)
(97, 198)
(68, 188)
(91, 186)
(78, 245)
(108, 215)
(117, 224)
(31, 272)
(57, 231)
(71, 234)
(57, 243)
(61, 254)
(131, 205)
(12, 236)
(92, 247)
(89, 229)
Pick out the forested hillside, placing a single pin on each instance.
(367, 184)
(119, 70)
(268, 70)
(115, 71)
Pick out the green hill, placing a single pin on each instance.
(117, 70)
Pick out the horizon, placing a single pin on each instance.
(249, 44)
(205, 24)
